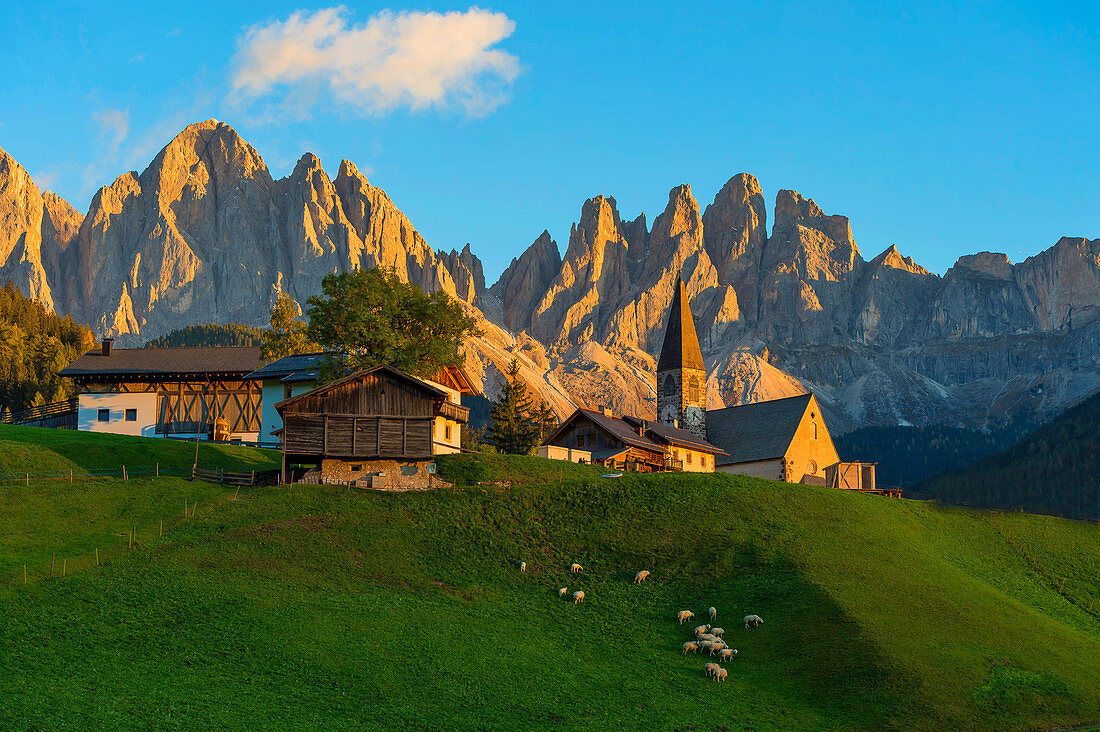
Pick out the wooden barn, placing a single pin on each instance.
(379, 427)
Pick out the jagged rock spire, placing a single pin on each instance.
(681, 346)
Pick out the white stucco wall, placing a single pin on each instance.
(88, 406)
(271, 393)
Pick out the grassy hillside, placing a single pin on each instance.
(908, 455)
(39, 450)
(323, 607)
(1055, 470)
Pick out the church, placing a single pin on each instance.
(781, 439)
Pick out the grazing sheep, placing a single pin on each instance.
(563, 592)
(523, 566)
(641, 577)
(578, 596)
(753, 621)
(705, 646)
(713, 614)
(702, 629)
(705, 637)
(710, 668)
(684, 615)
(727, 654)
(574, 567)
(718, 631)
(719, 674)
(716, 647)
(690, 647)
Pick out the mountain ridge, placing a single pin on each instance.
(206, 234)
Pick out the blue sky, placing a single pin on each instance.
(942, 128)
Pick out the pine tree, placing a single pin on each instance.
(545, 420)
(510, 426)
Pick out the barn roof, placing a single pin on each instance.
(757, 431)
(393, 371)
(136, 362)
(681, 345)
(289, 369)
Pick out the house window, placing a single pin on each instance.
(104, 415)
(689, 457)
(447, 431)
(580, 440)
(131, 415)
(703, 460)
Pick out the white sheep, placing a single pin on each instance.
(702, 629)
(523, 566)
(720, 674)
(710, 668)
(713, 614)
(753, 621)
(563, 592)
(578, 596)
(684, 615)
(705, 637)
(716, 647)
(705, 646)
(641, 577)
(718, 631)
(574, 567)
(727, 653)
(690, 647)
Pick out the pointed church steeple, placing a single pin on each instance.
(681, 373)
(681, 346)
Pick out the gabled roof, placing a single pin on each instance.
(757, 431)
(296, 368)
(135, 362)
(674, 436)
(455, 377)
(396, 372)
(681, 345)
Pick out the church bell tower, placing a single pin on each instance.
(681, 375)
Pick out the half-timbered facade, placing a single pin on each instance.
(375, 423)
(167, 392)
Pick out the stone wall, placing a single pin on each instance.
(395, 475)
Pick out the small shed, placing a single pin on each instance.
(375, 423)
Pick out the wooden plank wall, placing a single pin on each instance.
(370, 395)
(349, 435)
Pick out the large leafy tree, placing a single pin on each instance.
(287, 334)
(511, 429)
(371, 317)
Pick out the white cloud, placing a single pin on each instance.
(114, 127)
(410, 58)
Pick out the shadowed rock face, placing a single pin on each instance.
(204, 234)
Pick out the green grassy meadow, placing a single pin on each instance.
(317, 607)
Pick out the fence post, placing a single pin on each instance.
(158, 469)
(64, 567)
(28, 479)
(124, 476)
(97, 556)
(51, 564)
(70, 475)
(24, 574)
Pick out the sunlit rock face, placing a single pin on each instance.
(205, 234)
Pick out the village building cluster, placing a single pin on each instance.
(382, 427)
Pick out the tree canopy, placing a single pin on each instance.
(210, 335)
(287, 334)
(366, 318)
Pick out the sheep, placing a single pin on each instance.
(705, 646)
(563, 592)
(753, 621)
(716, 647)
(718, 631)
(710, 668)
(720, 674)
(702, 629)
(574, 567)
(705, 637)
(727, 653)
(523, 566)
(641, 577)
(713, 614)
(684, 615)
(578, 596)
(690, 647)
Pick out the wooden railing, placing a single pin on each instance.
(41, 412)
(229, 477)
(456, 412)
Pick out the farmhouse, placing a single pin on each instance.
(630, 443)
(280, 380)
(379, 427)
(166, 392)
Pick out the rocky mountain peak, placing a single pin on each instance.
(893, 258)
(516, 294)
(735, 232)
(993, 264)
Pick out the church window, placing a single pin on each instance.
(693, 389)
(812, 468)
(814, 424)
(669, 386)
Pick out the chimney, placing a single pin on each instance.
(607, 412)
(107, 344)
(641, 428)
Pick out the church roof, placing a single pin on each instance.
(757, 431)
(681, 346)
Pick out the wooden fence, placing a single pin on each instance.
(54, 414)
(238, 478)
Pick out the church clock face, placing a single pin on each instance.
(693, 418)
(668, 412)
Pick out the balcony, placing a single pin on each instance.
(455, 412)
